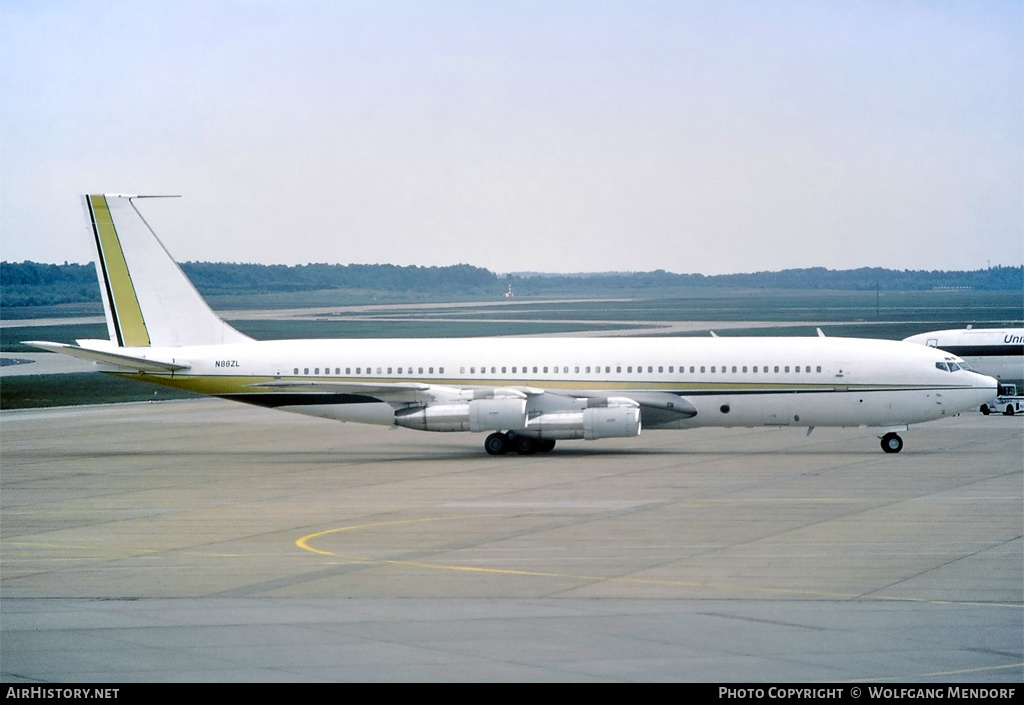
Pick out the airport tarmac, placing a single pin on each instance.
(208, 541)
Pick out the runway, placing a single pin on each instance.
(208, 541)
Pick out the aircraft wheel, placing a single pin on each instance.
(1009, 410)
(985, 410)
(892, 443)
(546, 446)
(525, 445)
(497, 444)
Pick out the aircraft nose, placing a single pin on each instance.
(987, 384)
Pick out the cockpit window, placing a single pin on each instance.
(951, 365)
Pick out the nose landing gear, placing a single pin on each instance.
(892, 443)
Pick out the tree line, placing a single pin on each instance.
(37, 284)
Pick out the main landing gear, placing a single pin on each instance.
(892, 443)
(501, 443)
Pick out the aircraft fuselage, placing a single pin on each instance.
(726, 381)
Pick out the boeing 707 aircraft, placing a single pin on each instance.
(527, 393)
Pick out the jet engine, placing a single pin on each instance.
(507, 413)
(590, 424)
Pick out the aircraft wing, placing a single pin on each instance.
(417, 392)
(374, 389)
(664, 403)
(127, 363)
(656, 407)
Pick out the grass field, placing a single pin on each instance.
(33, 391)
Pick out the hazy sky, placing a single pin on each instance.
(555, 136)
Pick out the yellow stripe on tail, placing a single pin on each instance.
(126, 322)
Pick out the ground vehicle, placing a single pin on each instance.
(1007, 403)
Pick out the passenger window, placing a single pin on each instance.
(776, 368)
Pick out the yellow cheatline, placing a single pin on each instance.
(237, 384)
(127, 312)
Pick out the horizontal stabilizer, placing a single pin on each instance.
(127, 362)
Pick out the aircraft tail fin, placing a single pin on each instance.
(147, 299)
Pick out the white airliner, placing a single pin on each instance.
(998, 352)
(526, 392)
